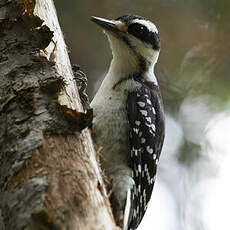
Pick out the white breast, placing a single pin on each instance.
(110, 123)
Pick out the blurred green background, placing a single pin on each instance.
(193, 73)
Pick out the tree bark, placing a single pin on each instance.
(49, 176)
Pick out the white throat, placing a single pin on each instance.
(125, 63)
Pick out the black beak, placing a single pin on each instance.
(105, 24)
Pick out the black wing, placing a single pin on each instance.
(146, 135)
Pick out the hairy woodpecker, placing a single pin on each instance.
(129, 117)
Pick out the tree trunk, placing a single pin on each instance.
(49, 177)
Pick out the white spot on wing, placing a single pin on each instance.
(143, 140)
(151, 181)
(144, 112)
(139, 168)
(134, 151)
(148, 101)
(135, 130)
(149, 150)
(136, 173)
(134, 213)
(148, 119)
(141, 104)
(137, 123)
(153, 127)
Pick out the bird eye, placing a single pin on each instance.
(141, 29)
(137, 29)
(142, 33)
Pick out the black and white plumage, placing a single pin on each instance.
(146, 138)
(129, 119)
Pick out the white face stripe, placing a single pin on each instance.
(148, 24)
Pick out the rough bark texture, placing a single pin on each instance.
(49, 178)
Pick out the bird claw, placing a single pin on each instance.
(81, 82)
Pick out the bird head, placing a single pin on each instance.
(134, 40)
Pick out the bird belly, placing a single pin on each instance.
(111, 128)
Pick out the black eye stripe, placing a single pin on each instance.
(137, 29)
(141, 32)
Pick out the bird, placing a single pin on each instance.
(128, 122)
